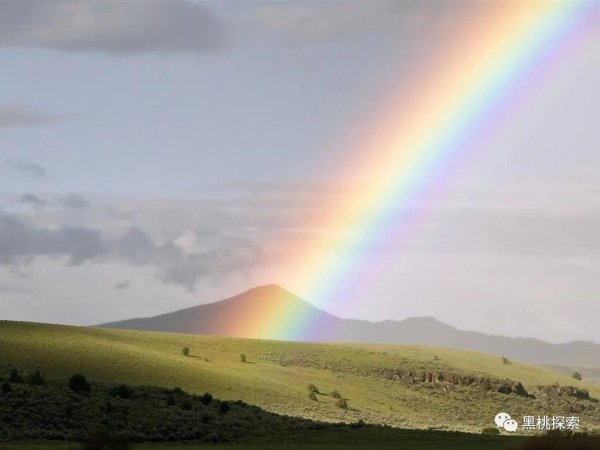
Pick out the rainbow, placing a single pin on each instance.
(502, 55)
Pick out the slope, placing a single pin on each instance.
(386, 384)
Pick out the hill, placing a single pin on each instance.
(221, 319)
(404, 386)
(113, 416)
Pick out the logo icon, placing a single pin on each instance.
(503, 420)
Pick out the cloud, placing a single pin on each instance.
(74, 201)
(31, 199)
(112, 27)
(122, 285)
(22, 116)
(21, 243)
(26, 167)
(326, 21)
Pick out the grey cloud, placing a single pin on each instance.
(26, 167)
(122, 285)
(113, 27)
(21, 243)
(324, 21)
(21, 116)
(188, 269)
(32, 199)
(74, 201)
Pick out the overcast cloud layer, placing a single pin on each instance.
(208, 140)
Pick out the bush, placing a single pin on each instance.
(79, 383)
(185, 351)
(206, 398)
(436, 358)
(243, 357)
(490, 431)
(360, 424)
(36, 378)
(312, 388)
(505, 360)
(186, 404)
(312, 396)
(224, 407)
(341, 403)
(577, 376)
(336, 394)
(14, 376)
(6, 388)
(122, 391)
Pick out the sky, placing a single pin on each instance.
(161, 154)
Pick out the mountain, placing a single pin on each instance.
(240, 316)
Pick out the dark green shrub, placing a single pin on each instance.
(243, 357)
(490, 431)
(336, 394)
(312, 388)
(185, 351)
(360, 424)
(14, 376)
(79, 383)
(224, 407)
(206, 398)
(341, 403)
(186, 405)
(36, 378)
(122, 391)
(6, 388)
(577, 375)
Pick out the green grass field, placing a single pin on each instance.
(277, 373)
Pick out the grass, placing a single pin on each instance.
(504, 444)
(277, 373)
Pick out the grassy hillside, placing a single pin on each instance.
(276, 375)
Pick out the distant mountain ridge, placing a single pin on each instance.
(226, 318)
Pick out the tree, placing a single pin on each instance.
(312, 396)
(577, 376)
(312, 388)
(79, 383)
(243, 357)
(185, 351)
(505, 360)
(336, 394)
